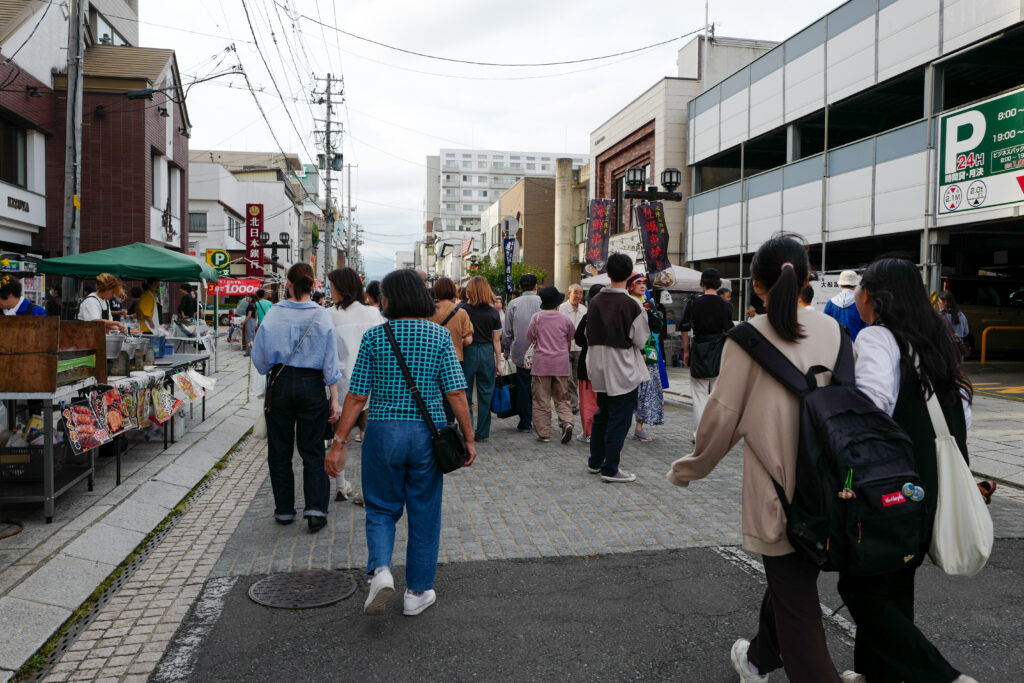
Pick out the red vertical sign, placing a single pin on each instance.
(253, 244)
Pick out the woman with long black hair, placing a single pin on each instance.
(903, 358)
(749, 404)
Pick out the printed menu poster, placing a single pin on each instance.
(82, 427)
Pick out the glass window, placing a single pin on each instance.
(545, 158)
(467, 207)
(449, 207)
(235, 228)
(516, 165)
(467, 164)
(514, 157)
(531, 158)
(499, 164)
(531, 167)
(483, 193)
(481, 156)
(197, 222)
(481, 164)
(545, 167)
(449, 192)
(467, 193)
(467, 156)
(12, 154)
(465, 178)
(449, 156)
(105, 33)
(481, 179)
(497, 156)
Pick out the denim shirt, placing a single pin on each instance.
(280, 332)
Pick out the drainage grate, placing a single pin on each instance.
(303, 590)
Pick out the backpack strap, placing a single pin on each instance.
(843, 372)
(771, 359)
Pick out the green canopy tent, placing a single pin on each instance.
(136, 261)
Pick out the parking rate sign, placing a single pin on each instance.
(981, 155)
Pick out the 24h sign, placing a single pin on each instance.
(981, 155)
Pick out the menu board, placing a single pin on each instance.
(82, 427)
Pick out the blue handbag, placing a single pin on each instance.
(501, 401)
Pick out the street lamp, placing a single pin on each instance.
(285, 238)
(636, 178)
(264, 237)
(671, 179)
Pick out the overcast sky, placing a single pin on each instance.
(400, 107)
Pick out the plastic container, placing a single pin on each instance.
(168, 349)
(115, 342)
(156, 342)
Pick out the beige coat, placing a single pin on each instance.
(749, 404)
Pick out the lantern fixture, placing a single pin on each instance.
(636, 178)
(671, 178)
(265, 237)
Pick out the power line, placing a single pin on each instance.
(499, 64)
(34, 29)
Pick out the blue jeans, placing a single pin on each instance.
(478, 366)
(524, 399)
(611, 424)
(298, 413)
(399, 471)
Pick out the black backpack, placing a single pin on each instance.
(857, 502)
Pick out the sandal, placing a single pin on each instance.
(641, 435)
(358, 438)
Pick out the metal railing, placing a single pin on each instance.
(984, 337)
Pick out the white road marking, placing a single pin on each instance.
(180, 660)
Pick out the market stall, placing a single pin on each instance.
(58, 402)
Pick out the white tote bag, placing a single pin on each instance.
(962, 532)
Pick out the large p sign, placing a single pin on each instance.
(955, 146)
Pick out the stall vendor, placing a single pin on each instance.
(148, 310)
(11, 300)
(96, 306)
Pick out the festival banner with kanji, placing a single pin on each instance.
(253, 244)
(599, 217)
(654, 236)
(509, 252)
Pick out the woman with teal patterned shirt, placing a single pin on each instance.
(398, 467)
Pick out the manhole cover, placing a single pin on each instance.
(303, 590)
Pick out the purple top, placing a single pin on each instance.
(550, 332)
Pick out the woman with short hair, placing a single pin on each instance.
(297, 350)
(399, 471)
(96, 306)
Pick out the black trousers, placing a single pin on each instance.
(298, 414)
(790, 632)
(889, 646)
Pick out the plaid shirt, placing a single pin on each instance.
(428, 352)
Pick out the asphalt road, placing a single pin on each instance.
(667, 615)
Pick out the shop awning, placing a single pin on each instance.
(136, 261)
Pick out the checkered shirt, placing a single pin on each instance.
(428, 352)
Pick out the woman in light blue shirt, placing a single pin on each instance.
(297, 350)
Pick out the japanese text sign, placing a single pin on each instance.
(232, 287)
(981, 155)
(653, 236)
(599, 217)
(253, 245)
(509, 251)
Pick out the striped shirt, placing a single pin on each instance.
(428, 351)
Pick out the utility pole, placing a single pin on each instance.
(73, 141)
(349, 261)
(331, 160)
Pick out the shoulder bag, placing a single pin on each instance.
(259, 429)
(449, 447)
(962, 531)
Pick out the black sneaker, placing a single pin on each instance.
(567, 432)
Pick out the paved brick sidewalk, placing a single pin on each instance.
(132, 631)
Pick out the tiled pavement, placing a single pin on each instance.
(522, 499)
(48, 570)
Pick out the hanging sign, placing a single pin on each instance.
(253, 244)
(598, 231)
(232, 286)
(654, 236)
(509, 251)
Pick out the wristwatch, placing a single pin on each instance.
(343, 442)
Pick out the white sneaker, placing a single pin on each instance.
(964, 678)
(414, 604)
(853, 677)
(382, 587)
(739, 663)
(583, 438)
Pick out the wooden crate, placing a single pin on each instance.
(30, 347)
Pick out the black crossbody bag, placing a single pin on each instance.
(449, 446)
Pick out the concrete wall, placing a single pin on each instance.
(532, 201)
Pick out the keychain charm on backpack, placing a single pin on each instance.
(914, 493)
(847, 492)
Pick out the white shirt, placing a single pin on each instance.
(877, 369)
(92, 308)
(14, 311)
(349, 326)
(575, 315)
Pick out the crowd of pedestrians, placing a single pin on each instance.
(601, 357)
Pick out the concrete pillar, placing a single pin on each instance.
(563, 224)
